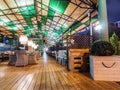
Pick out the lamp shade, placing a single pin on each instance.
(23, 39)
(30, 42)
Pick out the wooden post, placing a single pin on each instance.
(103, 19)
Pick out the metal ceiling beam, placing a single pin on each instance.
(93, 8)
(35, 5)
(80, 20)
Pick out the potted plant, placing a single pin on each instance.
(103, 64)
(115, 43)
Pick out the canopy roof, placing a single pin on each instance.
(47, 18)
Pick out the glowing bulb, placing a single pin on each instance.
(98, 27)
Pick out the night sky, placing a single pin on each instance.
(113, 10)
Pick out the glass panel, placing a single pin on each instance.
(56, 18)
(19, 17)
(7, 12)
(68, 23)
(16, 22)
(22, 21)
(61, 21)
(15, 10)
(21, 2)
(51, 14)
(29, 2)
(48, 23)
(58, 25)
(71, 7)
(84, 20)
(53, 26)
(19, 26)
(77, 13)
(39, 13)
(44, 13)
(57, 28)
(59, 5)
(2, 29)
(45, 7)
(39, 0)
(54, 23)
(44, 20)
(81, 27)
(38, 18)
(83, 5)
(4, 19)
(3, 5)
(1, 13)
(34, 22)
(94, 13)
(12, 17)
(11, 3)
(46, 2)
(3, 24)
(81, 17)
(39, 5)
(75, 1)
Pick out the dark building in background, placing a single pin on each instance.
(113, 13)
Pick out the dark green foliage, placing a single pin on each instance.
(115, 44)
(102, 48)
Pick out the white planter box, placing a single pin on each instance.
(105, 68)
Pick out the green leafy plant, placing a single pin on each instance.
(115, 44)
(102, 48)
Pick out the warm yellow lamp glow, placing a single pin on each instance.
(30, 42)
(23, 39)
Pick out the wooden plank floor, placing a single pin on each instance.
(48, 75)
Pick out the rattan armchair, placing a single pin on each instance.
(32, 58)
(22, 58)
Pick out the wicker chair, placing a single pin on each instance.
(22, 58)
(12, 59)
(37, 55)
(32, 58)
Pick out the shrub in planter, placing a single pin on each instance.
(115, 44)
(102, 48)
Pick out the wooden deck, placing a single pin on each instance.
(48, 75)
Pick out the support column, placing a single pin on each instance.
(103, 19)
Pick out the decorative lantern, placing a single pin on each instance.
(30, 42)
(23, 39)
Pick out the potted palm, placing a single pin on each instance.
(103, 64)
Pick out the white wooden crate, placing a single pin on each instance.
(105, 68)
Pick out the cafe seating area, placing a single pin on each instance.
(23, 58)
(59, 45)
